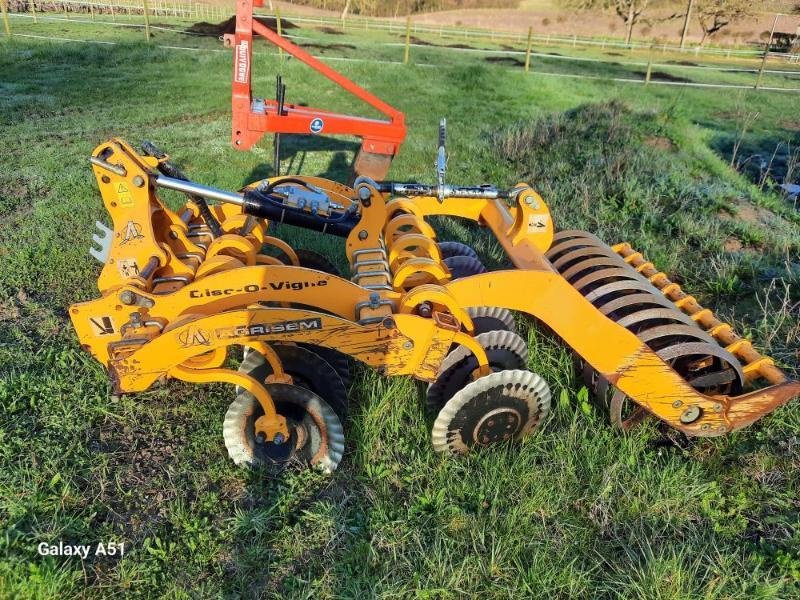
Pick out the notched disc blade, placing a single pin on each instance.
(503, 406)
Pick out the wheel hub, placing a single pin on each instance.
(497, 425)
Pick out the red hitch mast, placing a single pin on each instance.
(253, 117)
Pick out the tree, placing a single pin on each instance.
(630, 11)
(715, 15)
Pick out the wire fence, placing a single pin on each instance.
(639, 66)
(198, 10)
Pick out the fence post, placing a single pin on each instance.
(766, 53)
(407, 54)
(146, 11)
(279, 28)
(649, 72)
(33, 10)
(528, 51)
(6, 23)
(91, 11)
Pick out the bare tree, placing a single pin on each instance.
(715, 15)
(630, 11)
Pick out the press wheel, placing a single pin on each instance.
(504, 349)
(503, 406)
(307, 369)
(316, 434)
(491, 318)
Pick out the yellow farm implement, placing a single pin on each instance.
(180, 289)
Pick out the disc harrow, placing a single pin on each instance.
(183, 291)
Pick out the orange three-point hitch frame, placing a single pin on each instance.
(253, 117)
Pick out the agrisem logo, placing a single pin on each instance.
(266, 328)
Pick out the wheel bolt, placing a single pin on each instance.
(278, 439)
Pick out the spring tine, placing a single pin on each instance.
(712, 380)
(580, 267)
(584, 252)
(560, 246)
(650, 314)
(666, 331)
(620, 286)
(626, 301)
(604, 274)
(702, 349)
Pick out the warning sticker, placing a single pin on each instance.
(537, 223)
(102, 325)
(127, 267)
(124, 195)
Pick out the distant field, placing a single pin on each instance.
(549, 16)
(577, 511)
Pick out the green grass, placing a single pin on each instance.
(576, 511)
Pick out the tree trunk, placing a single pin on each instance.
(686, 22)
(631, 17)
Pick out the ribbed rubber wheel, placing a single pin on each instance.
(504, 349)
(491, 318)
(308, 370)
(317, 437)
(450, 249)
(503, 406)
(464, 266)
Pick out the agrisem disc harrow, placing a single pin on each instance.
(180, 289)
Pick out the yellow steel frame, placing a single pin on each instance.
(143, 336)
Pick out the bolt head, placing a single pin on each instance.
(691, 414)
(278, 439)
(364, 193)
(138, 181)
(408, 345)
(362, 235)
(126, 297)
(677, 404)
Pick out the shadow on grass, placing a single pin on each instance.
(761, 158)
(296, 151)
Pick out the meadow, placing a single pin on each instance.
(578, 510)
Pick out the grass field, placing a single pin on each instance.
(576, 511)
